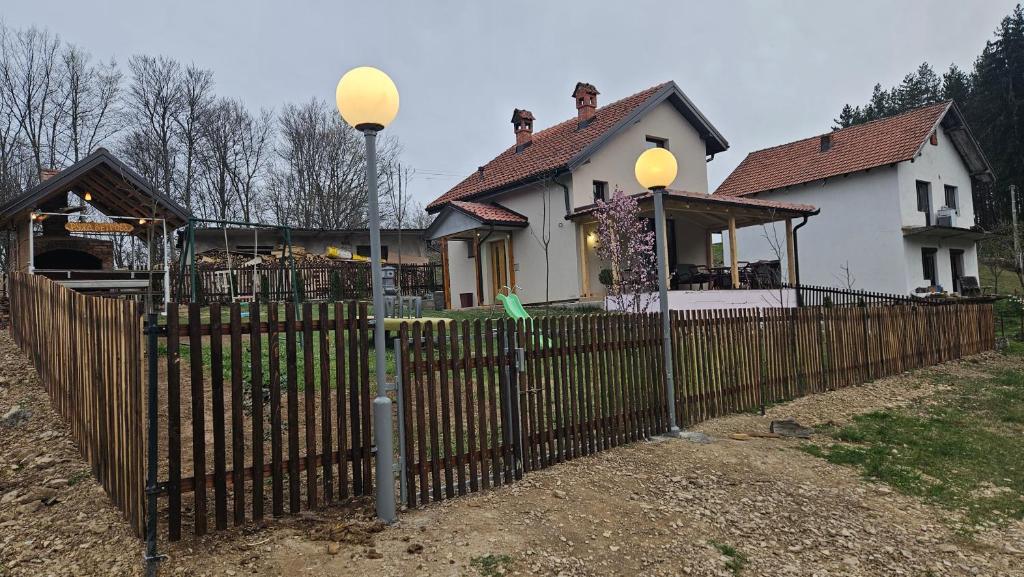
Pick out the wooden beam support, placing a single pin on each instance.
(733, 260)
(709, 256)
(478, 257)
(511, 263)
(581, 240)
(790, 253)
(445, 274)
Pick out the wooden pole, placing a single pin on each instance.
(511, 256)
(479, 271)
(790, 253)
(709, 255)
(732, 253)
(581, 240)
(445, 274)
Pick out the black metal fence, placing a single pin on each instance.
(816, 296)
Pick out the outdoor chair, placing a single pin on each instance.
(689, 274)
(969, 286)
(764, 274)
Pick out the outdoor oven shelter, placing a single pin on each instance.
(55, 231)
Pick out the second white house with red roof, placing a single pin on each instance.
(897, 210)
(524, 220)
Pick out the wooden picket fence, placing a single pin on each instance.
(730, 361)
(272, 416)
(478, 414)
(308, 395)
(88, 353)
(486, 401)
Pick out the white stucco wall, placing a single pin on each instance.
(718, 299)
(939, 165)
(943, 262)
(859, 224)
(614, 163)
(862, 219)
(461, 271)
(529, 251)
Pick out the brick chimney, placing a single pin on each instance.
(586, 101)
(522, 120)
(48, 173)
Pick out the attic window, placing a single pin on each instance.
(656, 142)
(934, 139)
(826, 142)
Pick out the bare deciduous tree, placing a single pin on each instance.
(91, 102)
(318, 180)
(30, 85)
(196, 99)
(231, 152)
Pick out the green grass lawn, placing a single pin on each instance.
(187, 348)
(960, 449)
(483, 313)
(1009, 282)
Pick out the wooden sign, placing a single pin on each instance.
(101, 227)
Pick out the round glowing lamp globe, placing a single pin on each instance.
(656, 168)
(367, 98)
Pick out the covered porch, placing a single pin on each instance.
(95, 226)
(484, 233)
(696, 279)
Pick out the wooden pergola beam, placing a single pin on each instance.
(445, 274)
(478, 257)
(734, 260)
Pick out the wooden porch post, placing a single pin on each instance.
(511, 263)
(479, 271)
(445, 275)
(709, 256)
(790, 253)
(732, 253)
(581, 240)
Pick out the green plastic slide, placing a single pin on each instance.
(515, 311)
(513, 307)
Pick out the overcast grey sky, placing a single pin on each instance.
(764, 72)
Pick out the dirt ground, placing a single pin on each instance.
(665, 507)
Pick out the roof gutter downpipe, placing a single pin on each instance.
(796, 256)
(565, 191)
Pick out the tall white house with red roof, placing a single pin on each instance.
(525, 219)
(896, 202)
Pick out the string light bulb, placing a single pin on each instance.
(88, 197)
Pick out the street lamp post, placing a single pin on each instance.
(655, 170)
(368, 101)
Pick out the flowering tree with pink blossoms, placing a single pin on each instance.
(627, 244)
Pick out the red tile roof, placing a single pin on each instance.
(491, 213)
(551, 149)
(856, 148)
(712, 200)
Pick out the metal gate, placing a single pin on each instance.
(459, 407)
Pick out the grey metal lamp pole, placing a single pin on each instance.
(368, 101)
(382, 402)
(655, 170)
(666, 324)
